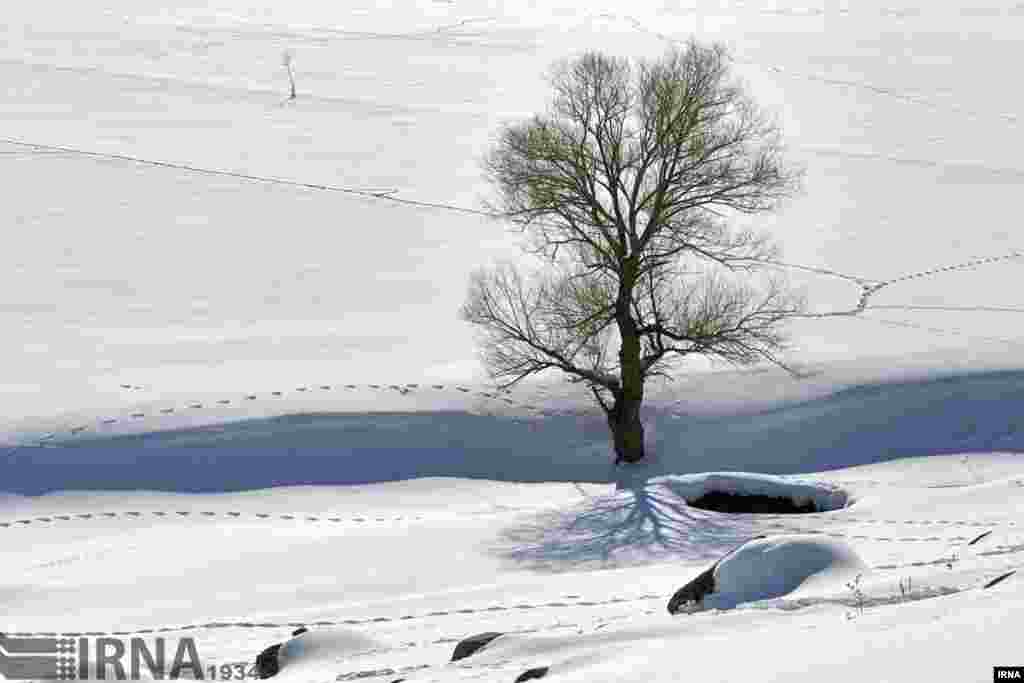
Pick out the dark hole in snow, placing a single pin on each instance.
(721, 501)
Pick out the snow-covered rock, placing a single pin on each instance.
(779, 566)
(307, 653)
(532, 674)
(468, 646)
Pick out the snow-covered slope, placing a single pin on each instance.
(233, 370)
(333, 433)
(126, 273)
(577, 575)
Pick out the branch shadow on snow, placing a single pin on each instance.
(640, 523)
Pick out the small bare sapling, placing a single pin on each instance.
(286, 60)
(858, 597)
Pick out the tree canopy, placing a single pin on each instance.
(625, 189)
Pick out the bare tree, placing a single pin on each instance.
(287, 58)
(624, 188)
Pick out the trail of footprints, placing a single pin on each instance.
(776, 522)
(569, 601)
(50, 519)
(403, 389)
(777, 526)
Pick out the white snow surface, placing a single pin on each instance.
(307, 655)
(781, 565)
(576, 571)
(176, 280)
(230, 406)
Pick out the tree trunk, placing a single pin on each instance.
(624, 417)
(627, 430)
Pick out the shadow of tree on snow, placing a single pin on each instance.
(641, 523)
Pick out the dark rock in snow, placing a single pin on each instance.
(468, 646)
(299, 631)
(266, 662)
(530, 674)
(999, 579)
(694, 591)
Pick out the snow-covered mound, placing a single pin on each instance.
(780, 565)
(692, 487)
(304, 655)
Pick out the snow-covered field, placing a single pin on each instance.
(259, 410)
(575, 566)
(906, 118)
